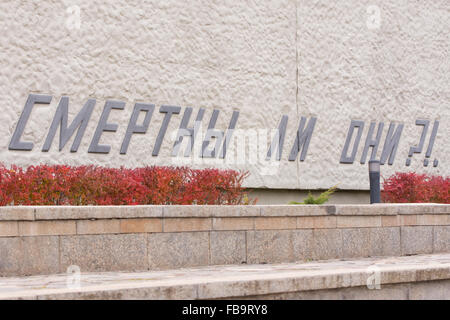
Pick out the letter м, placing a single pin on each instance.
(65, 133)
(302, 139)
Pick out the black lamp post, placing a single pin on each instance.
(374, 176)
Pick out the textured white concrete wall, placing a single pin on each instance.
(335, 61)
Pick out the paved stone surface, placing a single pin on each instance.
(417, 239)
(441, 239)
(95, 253)
(234, 281)
(26, 255)
(270, 246)
(228, 247)
(178, 250)
(385, 242)
(327, 244)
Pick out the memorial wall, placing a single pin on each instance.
(302, 94)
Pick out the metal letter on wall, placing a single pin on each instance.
(33, 99)
(133, 127)
(431, 144)
(65, 133)
(184, 131)
(302, 139)
(168, 110)
(219, 136)
(374, 143)
(211, 133)
(103, 125)
(419, 147)
(278, 140)
(344, 155)
(391, 144)
(229, 134)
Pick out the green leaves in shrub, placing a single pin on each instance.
(321, 199)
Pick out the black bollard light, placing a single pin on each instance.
(374, 177)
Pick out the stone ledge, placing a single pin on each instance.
(102, 251)
(128, 212)
(392, 209)
(186, 224)
(239, 281)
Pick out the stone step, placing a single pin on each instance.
(410, 277)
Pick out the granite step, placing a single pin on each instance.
(410, 277)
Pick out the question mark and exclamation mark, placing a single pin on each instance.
(431, 144)
(419, 147)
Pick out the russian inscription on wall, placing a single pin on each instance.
(298, 144)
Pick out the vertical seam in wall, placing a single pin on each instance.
(246, 247)
(21, 266)
(401, 240)
(59, 254)
(432, 239)
(147, 257)
(296, 78)
(162, 220)
(209, 248)
(296, 57)
(408, 289)
(314, 238)
(148, 250)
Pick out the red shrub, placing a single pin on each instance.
(5, 197)
(91, 185)
(412, 187)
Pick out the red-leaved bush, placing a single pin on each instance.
(93, 185)
(416, 188)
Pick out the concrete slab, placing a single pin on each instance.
(402, 277)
